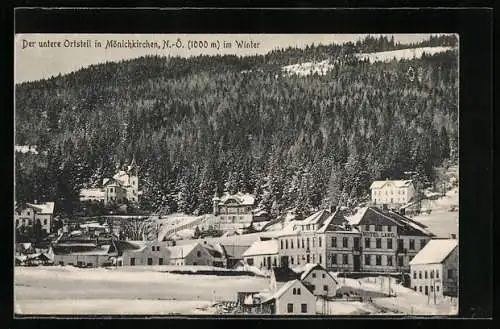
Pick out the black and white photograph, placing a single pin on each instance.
(236, 174)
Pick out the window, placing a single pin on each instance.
(314, 258)
(378, 243)
(432, 274)
(345, 242)
(153, 248)
(378, 260)
(420, 274)
(319, 242)
(132, 261)
(160, 261)
(290, 308)
(389, 260)
(437, 274)
(44, 222)
(420, 288)
(389, 243)
(400, 261)
(291, 244)
(367, 227)
(198, 254)
(291, 260)
(437, 288)
(28, 212)
(367, 242)
(432, 288)
(286, 244)
(345, 259)
(415, 288)
(307, 241)
(450, 274)
(294, 291)
(414, 274)
(378, 228)
(323, 275)
(334, 242)
(303, 245)
(150, 261)
(325, 287)
(320, 259)
(334, 259)
(281, 244)
(412, 244)
(314, 242)
(425, 274)
(298, 259)
(303, 308)
(313, 287)
(298, 291)
(367, 259)
(423, 242)
(250, 261)
(314, 275)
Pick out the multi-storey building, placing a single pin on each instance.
(390, 240)
(234, 209)
(27, 214)
(392, 193)
(123, 187)
(434, 270)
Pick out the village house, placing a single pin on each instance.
(293, 298)
(27, 214)
(83, 254)
(392, 193)
(234, 210)
(434, 270)
(158, 253)
(121, 188)
(389, 240)
(315, 276)
(262, 254)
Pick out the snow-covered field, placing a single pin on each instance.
(387, 56)
(69, 290)
(441, 221)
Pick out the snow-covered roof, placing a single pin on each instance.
(243, 199)
(285, 288)
(354, 219)
(305, 269)
(181, 251)
(314, 218)
(269, 247)
(435, 251)
(43, 208)
(398, 183)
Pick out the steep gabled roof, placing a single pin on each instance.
(435, 252)
(405, 225)
(333, 221)
(287, 286)
(182, 251)
(268, 247)
(284, 274)
(397, 183)
(305, 270)
(43, 208)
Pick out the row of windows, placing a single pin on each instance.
(431, 274)
(302, 259)
(378, 228)
(391, 192)
(289, 243)
(232, 218)
(426, 289)
(345, 242)
(378, 243)
(29, 222)
(150, 261)
(389, 260)
(303, 308)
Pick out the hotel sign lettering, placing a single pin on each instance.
(372, 234)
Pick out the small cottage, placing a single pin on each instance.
(293, 298)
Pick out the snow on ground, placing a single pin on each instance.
(345, 308)
(441, 221)
(387, 56)
(237, 240)
(74, 290)
(407, 301)
(113, 306)
(308, 68)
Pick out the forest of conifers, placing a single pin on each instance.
(202, 125)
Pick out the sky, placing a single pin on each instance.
(33, 61)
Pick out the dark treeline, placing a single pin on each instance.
(202, 125)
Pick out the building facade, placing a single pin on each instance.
(29, 213)
(234, 209)
(293, 298)
(121, 188)
(434, 271)
(393, 193)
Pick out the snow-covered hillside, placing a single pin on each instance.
(387, 56)
(308, 68)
